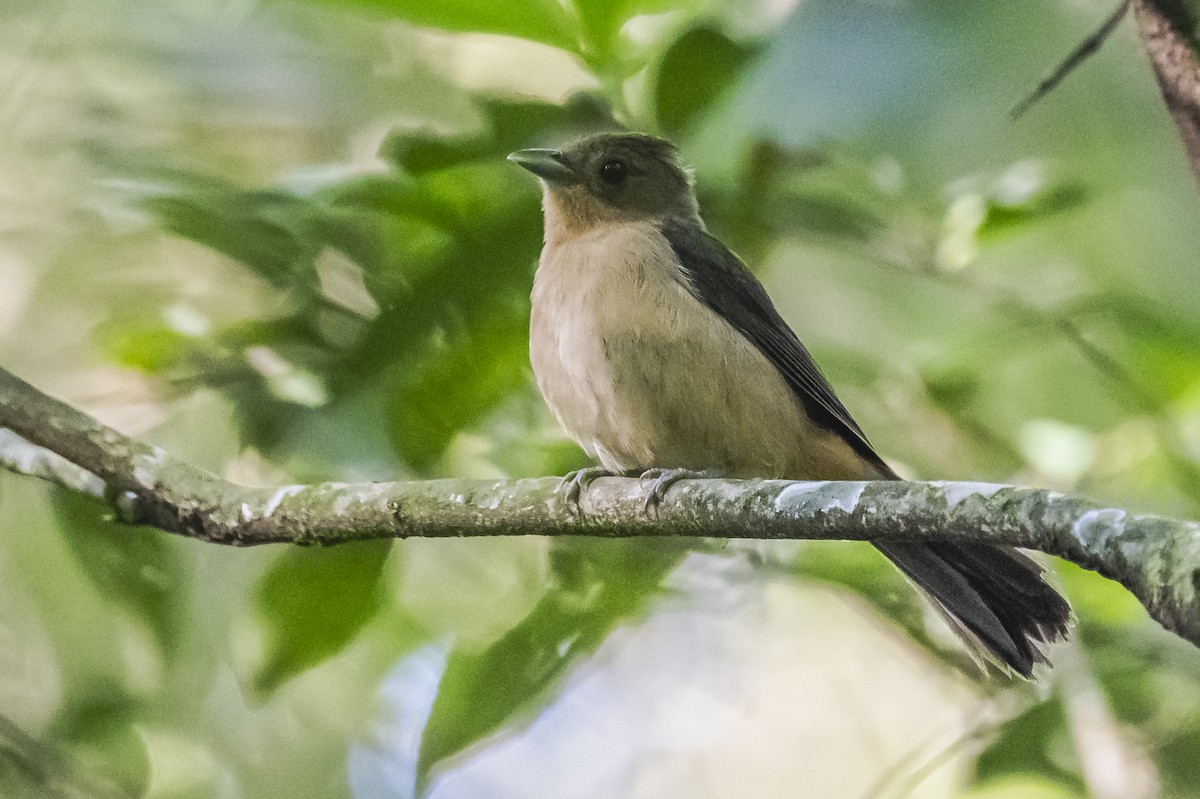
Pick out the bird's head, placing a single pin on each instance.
(609, 178)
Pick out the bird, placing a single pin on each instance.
(662, 355)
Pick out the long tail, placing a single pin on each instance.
(995, 595)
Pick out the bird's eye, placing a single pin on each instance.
(613, 172)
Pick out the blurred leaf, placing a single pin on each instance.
(539, 20)
(512, 125)
(1024, 746)
(602, 21)
(1004, 217)
(138, 568)
(600, 583)
(33, 769)
(695, 71)
(457, 383)
(826, 214)
(1026, 786)
(1178, 765)
(152, 350)
(473, 588)
(953, 389)
(311, 604)
(270, 230)
(181, 767)
(102, 739)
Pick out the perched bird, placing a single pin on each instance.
(658, 350)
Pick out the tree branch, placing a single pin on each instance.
(1156, 558)
(1085, 50)
(1168, 31)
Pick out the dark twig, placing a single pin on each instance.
(1087, 48)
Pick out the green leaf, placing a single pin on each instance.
(696, 70)
(826, 214)
(311, 604)
(269, 231)
(1026, 745)
(538, 20)
(1027, 191)
(458, 382)
(512, 124)
(103, 739)
(35, 769)
(602, 20)
(600, 583)
(149, 349)
(138, 568)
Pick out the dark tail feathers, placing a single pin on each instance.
(995, 594)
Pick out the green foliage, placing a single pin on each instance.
(264, 230)
(311, 604)
(598, 586)
(539, 20)
(304, 217)
(100, 732)
(696, 69)
(135, 568)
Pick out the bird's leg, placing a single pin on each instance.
(664, 479)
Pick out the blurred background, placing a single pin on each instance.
(281, 240)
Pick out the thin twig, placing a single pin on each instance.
(1088, 48)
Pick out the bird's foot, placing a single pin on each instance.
(663, 480)
(575, 482)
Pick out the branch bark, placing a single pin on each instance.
(1156, 558)
(1168, 30)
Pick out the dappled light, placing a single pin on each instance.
(281, 242)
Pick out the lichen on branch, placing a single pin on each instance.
(1156, 558)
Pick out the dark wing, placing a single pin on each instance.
(995, 596)
(722, 282)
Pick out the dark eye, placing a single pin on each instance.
(613, 172)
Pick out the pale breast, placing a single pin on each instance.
(643, 375)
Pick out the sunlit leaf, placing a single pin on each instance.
(602, 20)
(311, 604)
(148, 349)
(1027, 191)
(600, 584)
(539, 20)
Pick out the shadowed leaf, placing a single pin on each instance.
(137, 568)
(312, 603)
(697, 69)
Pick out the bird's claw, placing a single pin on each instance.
(663, 480)
(573, 483)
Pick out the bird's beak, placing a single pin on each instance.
(549, 165)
